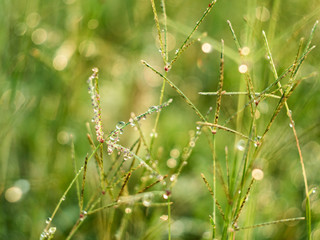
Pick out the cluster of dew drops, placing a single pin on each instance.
(114, 138)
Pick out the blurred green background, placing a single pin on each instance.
(48, 49)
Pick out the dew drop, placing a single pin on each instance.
(166, 194)
(146, 202)
(95, 70)
(48, 220)
(43, 235)
(52, 230)
(160, 177)
(83, 215)
(164, 217)
(153, 134)
(147, 199)
(63, 198)
(241, 145)
(153, 109)
(173, 177)
(120, 125)
(132, 124)
(177, 51)
(291, 125)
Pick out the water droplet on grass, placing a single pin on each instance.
(120, 125)
(166, 194)
(83, 215)
(291, 125)
(173, 177)
(153, 109)
(52, 230)
(146, 202)
(241, 145)
(48, 220)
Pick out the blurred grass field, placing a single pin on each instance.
(47, 52)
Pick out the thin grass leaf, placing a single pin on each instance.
(271, 223)
(226, 129)
(311, 37)
(249, 82)
(152, 184)
(235, 220)
(154, 130)
(169, 218)
(224, 93)
(165, 29)
(218, 102)
(165, 204)
(267, 89)
(102, 208)
(67, 190)
(177, 90)
(75, 168)
(137, 125)
(186, 154)
(212, 194)
(162, 48)
(202, 36)
(281, 103)
(186, 43)
(166, 54)
(123, 186)
(83, 182)
(151, 110)
(142, 162)
(228, 174)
